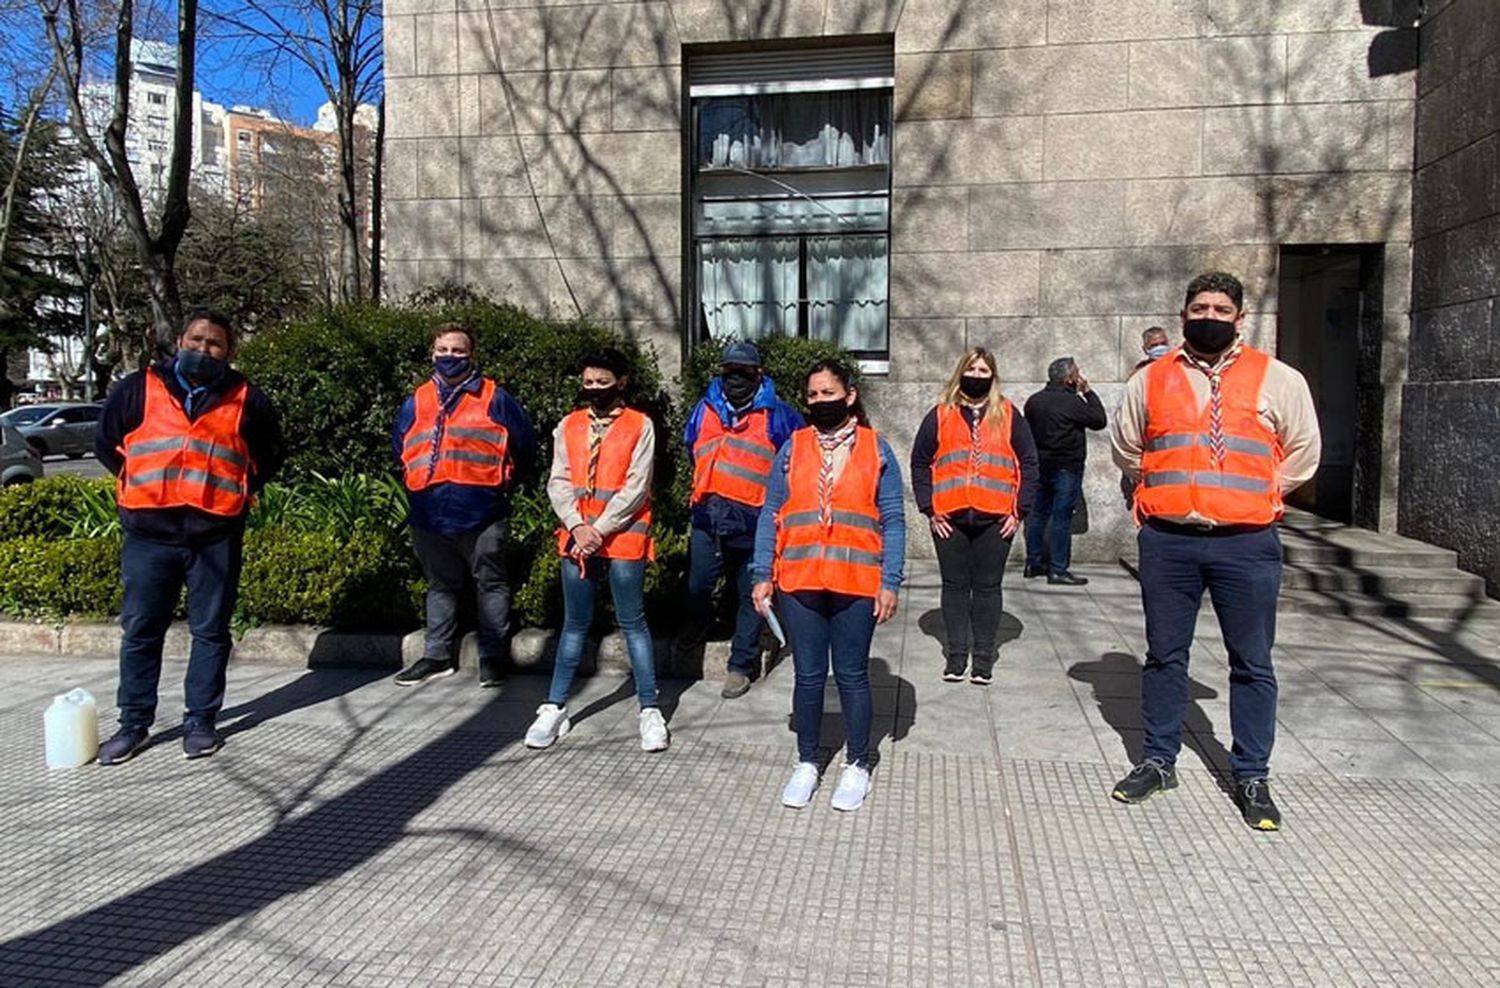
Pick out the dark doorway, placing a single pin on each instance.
(1329, 328)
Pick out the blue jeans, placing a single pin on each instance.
(1056, 497)
(1242, 572)
(626, 578)
(449, 562)
(708, 560)
(823, 625)
(154, 574)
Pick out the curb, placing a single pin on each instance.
(307, 646)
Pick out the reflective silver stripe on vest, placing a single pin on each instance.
(178, 473)
(417, 439)
(636, 528)
(1207, 478)
(985, 482)
(798, 519)
(196, 445)
(757, 450)
(600, 494)
(999, 461)
(483, 435)
(1177, 440)
(948, 459)
(832, 554)
(759, 479)
(488, 459)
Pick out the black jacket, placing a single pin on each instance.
(1058, 415)
(924, 449)
(124, 411)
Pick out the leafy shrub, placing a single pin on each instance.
(54, 507)
(57, 577)
(333, 505)
(363, 579)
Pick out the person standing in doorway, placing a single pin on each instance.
(1218, 433)
(732, 437)
(974, 475)
(190, 442)
(831, 546)
(600, 488)
(1059, 416)
(459, 440)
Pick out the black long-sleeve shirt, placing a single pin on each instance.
(125, 410)
(924, 450)
(1058, 416)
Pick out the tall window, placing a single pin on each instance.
(791, 176)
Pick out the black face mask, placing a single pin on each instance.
(200, 367)
(828, 414)
(600, 398)
(975, 387)
(740, 387)
(1209, 337)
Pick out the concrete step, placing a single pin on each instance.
(1413, 605)
(1382, 580)
(1311, 540)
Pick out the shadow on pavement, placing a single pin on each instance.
(895, 703)
(308, 690)
(931, 625)
(1121, 708)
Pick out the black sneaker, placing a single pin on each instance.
(123, 746)
(200, 740)
(489, 673)
(1066, 579)
(953, 670)
(981, 678)
(1148, 778)
(1253, 796)
(422, 670)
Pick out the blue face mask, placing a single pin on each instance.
(453, 367)
(200, 367)
(1157, 352)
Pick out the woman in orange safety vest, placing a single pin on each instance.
(831, 545)
(974, 474)
(600, 488)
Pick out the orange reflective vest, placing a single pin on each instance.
(1179, 472)
(171, 462)
(987, 483)
(845, 556)
(733, 462)
(634, 540)
(471, 450)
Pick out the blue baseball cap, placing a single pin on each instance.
(742, 353)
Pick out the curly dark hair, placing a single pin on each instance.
(202, 313)
(1216, 281)
(845, 376)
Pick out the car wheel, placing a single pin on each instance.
(18, 479)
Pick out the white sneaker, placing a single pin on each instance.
(853, 787)
(799, 788)
(654, 733)
(550, 725)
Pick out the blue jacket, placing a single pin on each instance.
(453, 509)
(732, 521)
(889, 500)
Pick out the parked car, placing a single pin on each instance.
(56, 428)
(19, 462)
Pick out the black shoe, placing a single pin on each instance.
(422, 670)
(123, 746)
(1149, 777)
(1033, 572)
(1253, 796)
(1066, 579)
(489, 673)
(200, 740)
(953, 670)
(980, 678)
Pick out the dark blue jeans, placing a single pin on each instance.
(154, 574)
(626, 579)
(450, 562)
(1242, 573)
(1056, 497)
(708, 560)
(824, 626)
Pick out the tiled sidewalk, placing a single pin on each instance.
(356, 834)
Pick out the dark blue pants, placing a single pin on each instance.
(1242, 573)
(450, 563)
(154, 574)
(1056, 497)
(709, 559)
(823, 626)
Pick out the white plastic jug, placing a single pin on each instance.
(72, 724)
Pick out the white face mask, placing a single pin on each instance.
(1157, 352)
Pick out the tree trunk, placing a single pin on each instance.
(377, 206)
(351, 287)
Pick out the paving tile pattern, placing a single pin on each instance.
(353, 834)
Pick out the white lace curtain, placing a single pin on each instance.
(795, 130)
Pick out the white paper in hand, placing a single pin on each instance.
(775, 625)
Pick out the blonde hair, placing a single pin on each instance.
(995, 403)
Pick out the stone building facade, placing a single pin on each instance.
(1052, 175)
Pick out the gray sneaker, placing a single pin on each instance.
(735, 684)
(422, 670)
(123, 746)
(200, 740)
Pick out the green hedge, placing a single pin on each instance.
(57, 577)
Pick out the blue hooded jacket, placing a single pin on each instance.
(731, 521)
